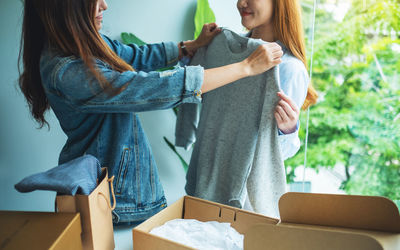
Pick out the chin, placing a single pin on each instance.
(247, 24)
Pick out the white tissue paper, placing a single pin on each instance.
(201, 235)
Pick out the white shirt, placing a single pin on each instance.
(294, 83)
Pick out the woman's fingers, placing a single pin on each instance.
(212, 27)
(277, 61)
(288, 109)
(282, 113)
(289, 101)
(288, 114)
(278, 117)
(275, 51)
(277, 54)
(274, 47)
(208, 32)
(263, 58)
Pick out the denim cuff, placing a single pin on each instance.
(184, 61)
(171, 53)
(194, 77)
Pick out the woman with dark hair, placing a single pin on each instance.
(95, 86)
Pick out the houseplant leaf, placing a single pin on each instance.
(184, 163)
(204, 14)
(129, 38)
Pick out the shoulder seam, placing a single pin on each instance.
(58, 68)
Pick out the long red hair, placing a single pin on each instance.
(289, 30)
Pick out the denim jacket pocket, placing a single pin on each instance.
(122, 170)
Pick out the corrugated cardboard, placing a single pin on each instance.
(39, 230)
(193, 208)
(308, 221)
(328, 221)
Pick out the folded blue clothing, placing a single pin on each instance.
(78, 176)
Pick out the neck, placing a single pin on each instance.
(264, 32)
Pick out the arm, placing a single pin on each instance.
(262, 59)
(148, 57)
(208, 32)
(294, 83)
(141, 91)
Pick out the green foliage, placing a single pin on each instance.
(356, 122)
(173, 148)
(204, 14)
(129, 38)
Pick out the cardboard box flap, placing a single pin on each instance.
(39, 230)
(284, 238)
(261, 232)
(348, 211)
(190, 207)
(203, 210)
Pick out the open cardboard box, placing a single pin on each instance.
(308, 221)
(39, 230)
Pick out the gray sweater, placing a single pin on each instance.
(237, 148)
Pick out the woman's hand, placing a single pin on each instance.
(209, 31)
(286, 114)
(263, 58)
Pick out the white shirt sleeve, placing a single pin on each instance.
(290, 144)
(294, 83)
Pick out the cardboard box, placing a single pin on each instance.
(308, 221)
(39, 230)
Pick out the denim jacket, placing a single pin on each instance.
(108, 127)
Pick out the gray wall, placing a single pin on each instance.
(25, 150)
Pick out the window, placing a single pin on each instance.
(354, 130)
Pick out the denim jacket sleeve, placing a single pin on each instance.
(140, 91)
(188, 115)
(148, 57)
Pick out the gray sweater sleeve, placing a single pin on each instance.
(186, 125)
(188, 114)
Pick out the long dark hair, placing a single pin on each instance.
(69, 27)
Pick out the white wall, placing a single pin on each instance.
(25, 150)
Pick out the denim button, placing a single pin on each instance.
(197, 93)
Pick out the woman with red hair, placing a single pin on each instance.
(280, 21)
(244, 132)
